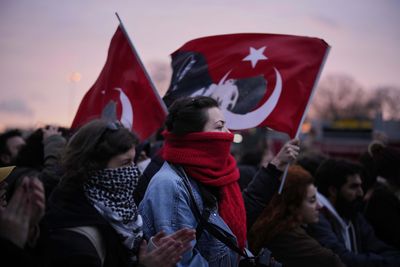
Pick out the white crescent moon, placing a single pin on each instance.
(252, 119)
(127, 111)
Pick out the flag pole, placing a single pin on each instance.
(164, 107)
(305, 114)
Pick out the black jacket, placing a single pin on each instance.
(60, 247)
(385, 221)
(260, 191)
(372, 252)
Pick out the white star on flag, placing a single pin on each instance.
(255, 55)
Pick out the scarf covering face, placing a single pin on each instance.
(206, 157)
(110, 191)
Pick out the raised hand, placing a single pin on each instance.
(50, 131)
(37, 201)
(14, 218)
(37, 198)
(287, 154)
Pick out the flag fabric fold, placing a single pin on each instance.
(123, 91)
(259, 80)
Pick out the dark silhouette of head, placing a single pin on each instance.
(10, 144)
(310, 162)
(386, 161)
(32, 153)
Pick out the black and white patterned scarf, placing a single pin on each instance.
(110, 191)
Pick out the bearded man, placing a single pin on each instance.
(342, 227)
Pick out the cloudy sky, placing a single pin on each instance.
(52, 51)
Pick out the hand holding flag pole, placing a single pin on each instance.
(283, 179)
(287, 154)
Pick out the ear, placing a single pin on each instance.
(332, 193)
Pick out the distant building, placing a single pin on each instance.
(344, 138)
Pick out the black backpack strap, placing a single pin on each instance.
(214, 230)
(200, 228)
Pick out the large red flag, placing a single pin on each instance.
(123, 91)
(258, 79)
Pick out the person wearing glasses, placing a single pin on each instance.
(197, 149)
(92, 219)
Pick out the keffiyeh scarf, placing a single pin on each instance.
(110, 191)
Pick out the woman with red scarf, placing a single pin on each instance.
(197, 150)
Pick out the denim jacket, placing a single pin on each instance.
(167, 206)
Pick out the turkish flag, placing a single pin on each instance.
(258, 79)
(123, 92)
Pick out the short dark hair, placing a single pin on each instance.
(4, 138)
(334, 172)
(188, 114)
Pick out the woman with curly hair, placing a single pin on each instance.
(92, 218)
(280, 227)
(199, 178)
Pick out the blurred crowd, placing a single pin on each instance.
(95, 196)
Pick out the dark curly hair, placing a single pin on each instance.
(189, 114)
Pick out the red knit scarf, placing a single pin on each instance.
(206, 157)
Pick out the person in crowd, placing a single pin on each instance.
(10, 143)
(42, 153)
(280, 227)
(32, 154)
(310, 161)
(368, 171)
(341, 227)
(151, 163)
(248, 166)
(92, 219)
(22, 207)
(251, 162)
(197, 162)
(383, 208)
(152, 167)
(142, 155)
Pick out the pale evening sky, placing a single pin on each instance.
(44, 42)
